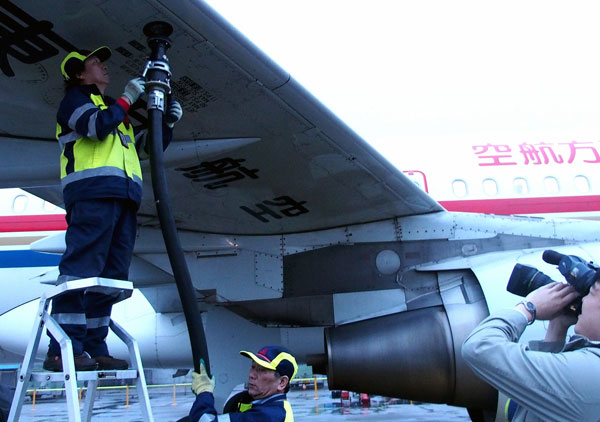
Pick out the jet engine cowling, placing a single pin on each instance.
(413, 355)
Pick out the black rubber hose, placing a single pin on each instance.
(174, 250)
(159, 44)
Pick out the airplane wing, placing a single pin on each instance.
(255, 153)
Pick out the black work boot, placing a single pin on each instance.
(108, 363)
(82, 363)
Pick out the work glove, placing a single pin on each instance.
(201, 382)
(134, 89)
(174, 113)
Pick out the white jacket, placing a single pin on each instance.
(563, 386)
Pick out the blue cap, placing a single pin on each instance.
(275, 358)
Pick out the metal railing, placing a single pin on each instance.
(298, 382)
(37, 391)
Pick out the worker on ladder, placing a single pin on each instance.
(101, 181)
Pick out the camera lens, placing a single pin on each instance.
(525, 279)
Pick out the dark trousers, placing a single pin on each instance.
(100, 239)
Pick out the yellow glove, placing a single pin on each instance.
(201, 382)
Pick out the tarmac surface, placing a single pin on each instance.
(111, 406)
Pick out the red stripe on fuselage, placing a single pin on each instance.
(32, 223)
(507, 206)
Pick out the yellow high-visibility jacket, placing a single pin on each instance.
(99, 157)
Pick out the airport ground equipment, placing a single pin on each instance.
(122, 290)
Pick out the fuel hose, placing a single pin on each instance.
(157, 76)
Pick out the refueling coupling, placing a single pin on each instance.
(157, 71)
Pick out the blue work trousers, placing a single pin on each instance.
(100, 238)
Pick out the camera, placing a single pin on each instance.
(578, 273)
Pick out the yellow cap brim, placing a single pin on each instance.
(103, 53)
(258, 360)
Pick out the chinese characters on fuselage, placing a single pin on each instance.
(541, 153)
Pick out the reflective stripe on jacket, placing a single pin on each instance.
(289, 414)
(272, 409)
(98, 158)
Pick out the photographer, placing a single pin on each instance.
(556, 382)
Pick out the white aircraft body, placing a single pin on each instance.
(296, 231)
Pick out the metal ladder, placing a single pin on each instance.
(121, 290)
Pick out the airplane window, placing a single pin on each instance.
(520, 186)
(551, 184)
(490, 187)
(459, 188)
(19, 203)
(582, 184)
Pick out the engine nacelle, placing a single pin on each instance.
(414, 355)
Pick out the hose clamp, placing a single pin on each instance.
(160, 65)
(156, 100)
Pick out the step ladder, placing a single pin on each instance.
(121, 290)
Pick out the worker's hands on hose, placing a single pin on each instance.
(201, 382)
(174, 113)
(134, 89)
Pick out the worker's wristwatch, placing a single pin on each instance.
(530, 307)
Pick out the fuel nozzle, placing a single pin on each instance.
(157, 71)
